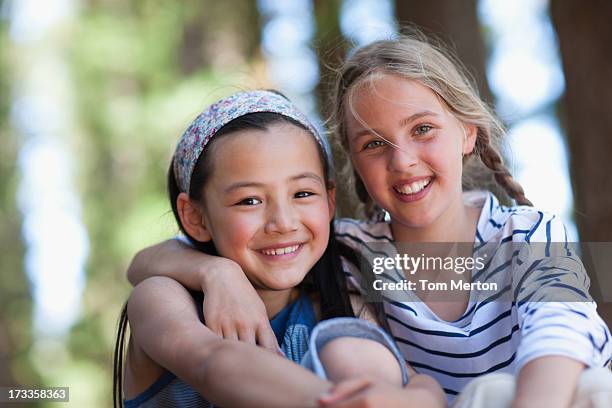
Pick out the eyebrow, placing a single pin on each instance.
(416, 116)
(254, 184)
(402, 122)
(308, 175)
(242, 184)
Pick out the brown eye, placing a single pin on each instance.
(303, 194)
(249, 201)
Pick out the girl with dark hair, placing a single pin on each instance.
(250, 181)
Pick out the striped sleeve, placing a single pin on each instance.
(556, 314)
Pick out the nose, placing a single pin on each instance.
(402, 158)
(281, 219)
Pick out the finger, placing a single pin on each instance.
(247, 335)
(267, 339)
(357, 400)
(229, 333)
(211, 321)
(215, 328)
(343, 391)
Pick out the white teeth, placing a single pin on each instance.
(280, 251)
(413, 188)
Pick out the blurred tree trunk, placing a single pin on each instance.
(584, 30)
(456, 23)
(219, 34)
(331, 49)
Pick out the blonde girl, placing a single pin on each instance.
(411, 123)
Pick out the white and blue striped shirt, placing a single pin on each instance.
(494, 335)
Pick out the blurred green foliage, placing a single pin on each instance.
(140, 71)
(15, 304)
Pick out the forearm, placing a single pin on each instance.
(241, 375)
(165, 325)
(424, 391)
(547, 382)
(175, 260)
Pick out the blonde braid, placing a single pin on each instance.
(491, 158)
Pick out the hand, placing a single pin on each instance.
(548, 381)
(363, 393)
(367, 393)
(232, 308)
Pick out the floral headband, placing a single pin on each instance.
(217, 115)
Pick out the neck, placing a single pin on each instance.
(276, 300)
(457, 224)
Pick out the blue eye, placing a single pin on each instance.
(303, 194)
(249, 201)
(373, 144)
(422, 129)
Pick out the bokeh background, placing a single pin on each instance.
(95, 93)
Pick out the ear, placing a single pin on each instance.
(192, 218)
(331, 199)
(469, 140)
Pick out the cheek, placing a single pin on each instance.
(316, 219)
(370, 167)
(242, 228)
(444, 159)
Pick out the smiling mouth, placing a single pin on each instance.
(414, 187)
(280, 251)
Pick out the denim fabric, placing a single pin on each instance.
(332, 329)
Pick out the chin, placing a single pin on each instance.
(412, 221)
(284, 284)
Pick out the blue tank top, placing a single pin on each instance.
(292, 327)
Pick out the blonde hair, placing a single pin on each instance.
(414, 57)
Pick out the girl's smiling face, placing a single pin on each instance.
(267, 206)
(407, 148)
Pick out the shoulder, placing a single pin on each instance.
(350, 230)
(499, 223)
(156, 287)
(358, 238)
(157, 301)
(149, 303)
(535, 225)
